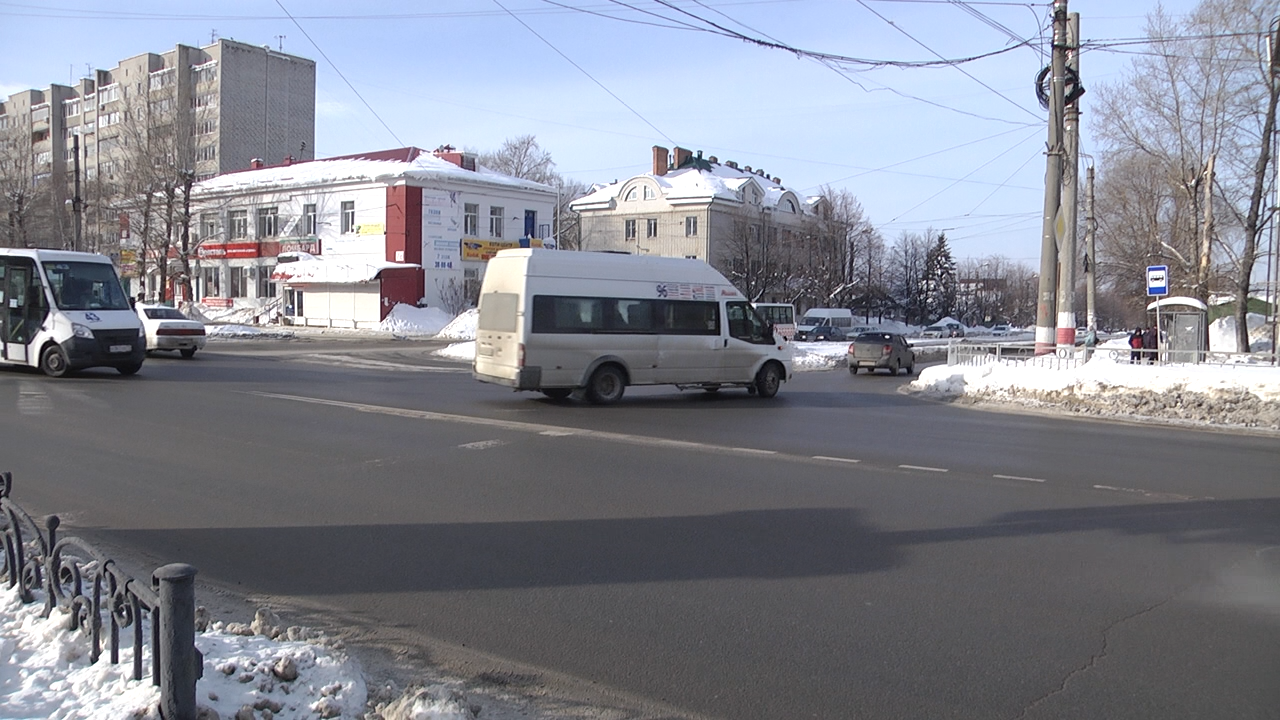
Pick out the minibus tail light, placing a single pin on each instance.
(520, 355)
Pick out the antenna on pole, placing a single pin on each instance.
(280, 42)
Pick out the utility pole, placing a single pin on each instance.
(1090, 260)
(1070, 190)
(77, 208)
(1052, 185)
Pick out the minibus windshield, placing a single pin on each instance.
(85, 286)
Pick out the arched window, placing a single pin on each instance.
(788, 206)
(649, 194)
(632, 195)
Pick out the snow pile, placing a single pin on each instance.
(1222, 334)
(409, 320)
(463, 327)
(465, 351)
(244, 332)
(812, 356)
(45, 672)
(1246, 396)
(207, 315)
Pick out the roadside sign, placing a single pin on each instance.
(1157, 280)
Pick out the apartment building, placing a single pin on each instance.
(695, 207)
(209, 110)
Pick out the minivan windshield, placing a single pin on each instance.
(85, 286)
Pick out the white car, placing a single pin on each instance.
(1001, 330)
(168, 329)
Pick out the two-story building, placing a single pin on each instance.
(363, 232)
(688, 206)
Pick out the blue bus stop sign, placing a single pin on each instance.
(1157, 280)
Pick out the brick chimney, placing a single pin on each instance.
(466, 161)
(681, 156)
(731, 164)
(255, 164)
(660, 160)
(288, 160)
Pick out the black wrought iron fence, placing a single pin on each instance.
(73, 574)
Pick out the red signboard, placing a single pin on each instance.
(218, 302)
(230, 250)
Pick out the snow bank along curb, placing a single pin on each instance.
(1244, 397)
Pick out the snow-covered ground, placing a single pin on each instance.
(45, 673)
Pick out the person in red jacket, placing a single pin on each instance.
(1135, 346)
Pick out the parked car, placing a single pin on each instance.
(168, 329)
(821, 332)
(875, 350)
(1001, 330)
(949, 330)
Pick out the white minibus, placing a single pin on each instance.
(556, 321)
(62, 311)
(835, 317)
(782, 316)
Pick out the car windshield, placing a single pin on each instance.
(874, 337)
(933, 328)
(164, 313)
(85, 286)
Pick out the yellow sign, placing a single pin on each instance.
(473, 249)
(372, 229)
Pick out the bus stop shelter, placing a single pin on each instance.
(1182, 323)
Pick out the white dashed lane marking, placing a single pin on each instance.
(835, 459)
(924, 468)
(482, 444)
(1019, 477)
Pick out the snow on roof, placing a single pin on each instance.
(1177, 300)
(424, 166)
(692, 183)
(322, 270)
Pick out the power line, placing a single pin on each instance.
(957, 67)
(334, 65)
(584, 72)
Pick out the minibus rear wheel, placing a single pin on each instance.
(606, 385)
(53, 362)
(557, 393)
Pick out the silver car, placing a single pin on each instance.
(876, 350)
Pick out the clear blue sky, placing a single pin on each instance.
(472, 73)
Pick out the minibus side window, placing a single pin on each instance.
(690, 317)
(746, 325)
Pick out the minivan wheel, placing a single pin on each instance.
(558, 393)
(53, 362)
(130, 369)
(768, 380)
(606, 385)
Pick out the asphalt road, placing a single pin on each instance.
(840, 551)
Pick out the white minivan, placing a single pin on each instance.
(62, 311)
(835, 317)
(556, 321)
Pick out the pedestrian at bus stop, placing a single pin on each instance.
(1135, 346)
(1150, 343)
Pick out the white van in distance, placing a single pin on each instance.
(62, 311)
(835, 317)
(556, 321)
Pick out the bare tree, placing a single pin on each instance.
(522, 157)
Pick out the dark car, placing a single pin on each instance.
(872, 350)
(821, 332)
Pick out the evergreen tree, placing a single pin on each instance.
(939, 282)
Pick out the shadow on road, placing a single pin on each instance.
(338, 559)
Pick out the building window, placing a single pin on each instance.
(651, 228)
(208, 225)
(266, 288)
(208, 152)
(71, 107)
(107, 94)
(632, 195)
(161, 79)
(544, 231)
(268, 222)
(348, 216)
(292, 302)
(471, 219)
(309, 223)
(648, 193)
(204, 100)
(239, 282)
(108, 119)
(495, 221)
(204, 127)
(691, 226)
(162, 106)
(629, 229)
(44, 158)
(204, 73)
(237, 224)
(212, 282)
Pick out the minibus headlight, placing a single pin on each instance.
(81, 331)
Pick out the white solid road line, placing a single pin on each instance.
(1019, 477)
(924, 468)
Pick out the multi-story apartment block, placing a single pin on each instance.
(201, 110)
(694, 207)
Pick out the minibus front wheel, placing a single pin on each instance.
(53, 361)
(768, 380)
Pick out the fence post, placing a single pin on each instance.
(180, 663)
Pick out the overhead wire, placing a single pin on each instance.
(339, 71)
(584, 72)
